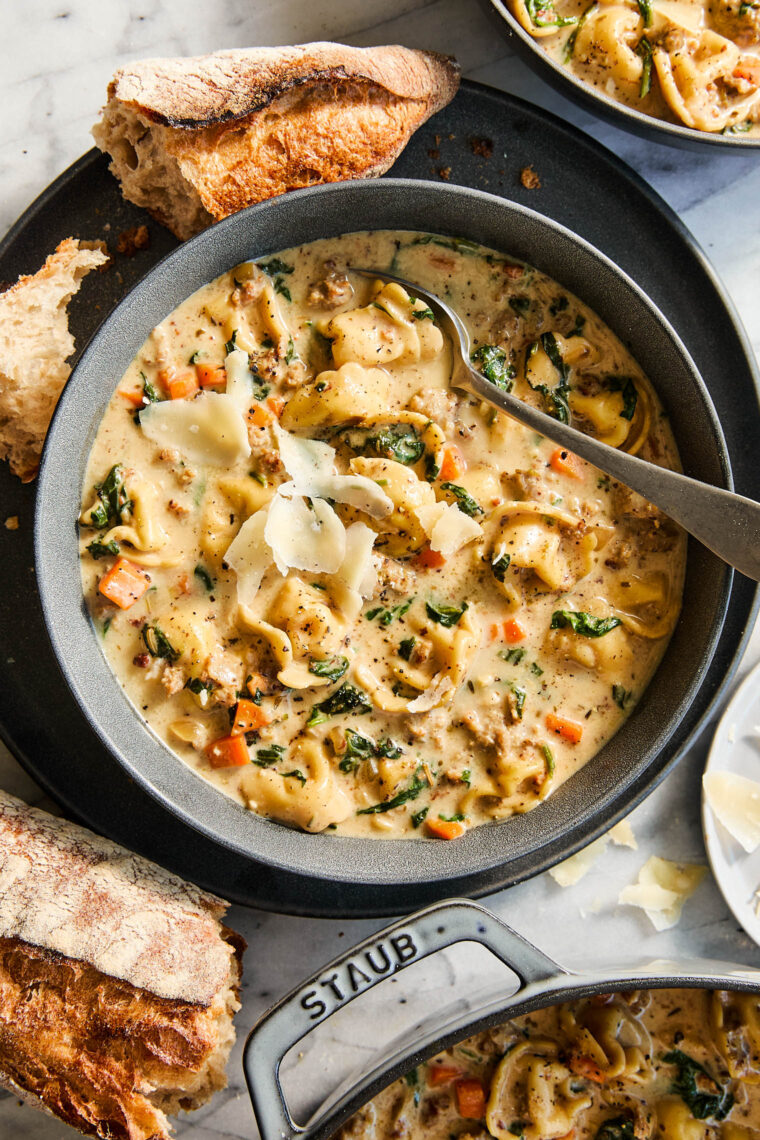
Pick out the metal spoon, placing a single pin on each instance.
(725, 523)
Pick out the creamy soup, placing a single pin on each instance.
(673, 1064)
(692, 62)
(349, 596)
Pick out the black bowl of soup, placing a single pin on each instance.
(341, 618)
(683, 74)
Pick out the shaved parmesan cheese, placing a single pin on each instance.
(735, 800)
(310, 463)
(305, 538)
(570, 871)
(662, 889)
(239, 380)
(207, 429)
(249, 556)
(448, 528)
(356, 579)
(304, 459)
(679, 12)
(622, 835)
(434, 695)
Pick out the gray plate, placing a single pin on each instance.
(60, 748)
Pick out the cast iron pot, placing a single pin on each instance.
(539, 982)
(599, 103)
(407, 873)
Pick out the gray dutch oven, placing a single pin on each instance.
(403, 873)
(540, 982)
(594, 99)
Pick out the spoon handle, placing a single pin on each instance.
(725, 523)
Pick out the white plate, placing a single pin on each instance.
(736, 748)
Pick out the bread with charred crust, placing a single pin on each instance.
(194, 140)
(118, 982)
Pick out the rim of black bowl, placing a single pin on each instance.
(580, 808)
(573, 87)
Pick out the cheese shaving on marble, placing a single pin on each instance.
(571, 871)
(207, 429)
(662, 889)
(735, 801)
(448, 528)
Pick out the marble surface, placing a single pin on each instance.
(52, 85)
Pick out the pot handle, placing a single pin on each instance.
(355, 972)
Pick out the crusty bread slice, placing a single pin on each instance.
(193, 140)
(118, 982)
(35, 343)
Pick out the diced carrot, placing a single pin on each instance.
(494, 632)
(427, 559)
(178, 385)
(513, 631)
(565, 463)
(276, 404)
(442, 1074)
(582, 1066)
(182, 585)
(260, 416)
(136, 398)
(453, 463)
(569, 729)
(445, 828)
(211, 375)
(248, 717)
(124, 583)
(471, 1098)
(748, 68)
(228, 752)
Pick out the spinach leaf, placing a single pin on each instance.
(331, 667)
(269, 755)
(200, 688)
(458, 818)
(406, 648)
(499, 567)
(543, 15)
(422, 314)
(419, 817)
(644, 49)
(158, 644)
(519, 702)
(645, 8)
(432, 470)
(231, 343)
(447, 616)
(585, 624)
(346, 699)
(698, 1089)
(360, 748)
(297, 774)
(150, 394)
(275, 266)
(102, 549)
(555, 399)
(114, 502)
(465, 501)
(549, 758)
(203, 576)
(621, 696)
(616, 1128)
(493, 365)
(513, 656)
(398, 442)
(387, 616)
(625, 385)
(410, 793)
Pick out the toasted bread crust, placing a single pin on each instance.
(69, 891)
(100, 1054)
(205, 90)
(194, 140)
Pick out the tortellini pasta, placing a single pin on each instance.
(329, 581)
